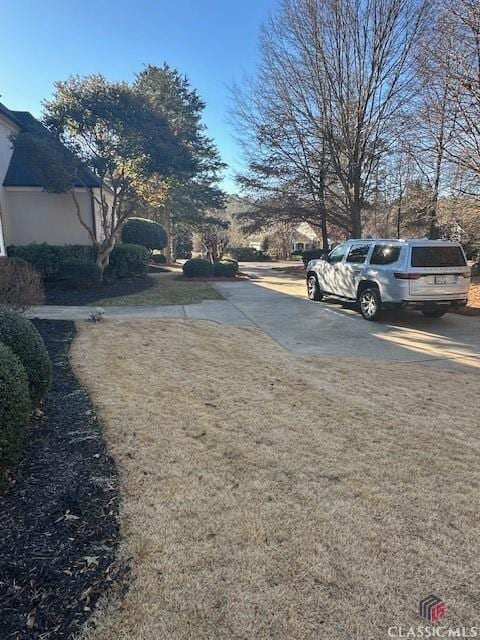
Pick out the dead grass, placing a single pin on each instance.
(168, 288)
(281, 497)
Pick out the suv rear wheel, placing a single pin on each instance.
(434, 313)
(370, 303)
(313, 288)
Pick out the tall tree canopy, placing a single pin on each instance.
(122, 138)
(187, 199)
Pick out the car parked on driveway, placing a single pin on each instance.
(429, 275)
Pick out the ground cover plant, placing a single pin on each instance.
(295, 497)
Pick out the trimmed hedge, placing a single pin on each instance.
(198, 268)
(159, 258)
(14, 406)
(147, 233)
(312, 254)
(81, 275)
(48, 258)
(246, 254)
(225, 268)
(126, 260)
(129, 260)
(23, 339)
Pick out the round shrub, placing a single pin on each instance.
(81, 275)
(14, 406)
(147, 233)
(226, 268)
(129, 261)
(23, 339)
(198, 268)
(159, 258)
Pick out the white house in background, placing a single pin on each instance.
(305, 237)
(27, 212)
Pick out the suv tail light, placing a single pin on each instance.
(407, 276)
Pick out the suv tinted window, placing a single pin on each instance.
(358, 253)
(385, 254)
(337, 254)
(430, 256)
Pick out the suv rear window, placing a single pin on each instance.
(442, 256)
(385, 254)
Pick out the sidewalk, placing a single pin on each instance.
(215, 310)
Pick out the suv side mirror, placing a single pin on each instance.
(324, 257)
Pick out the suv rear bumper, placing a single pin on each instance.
(428, 304)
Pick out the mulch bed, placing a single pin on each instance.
(55, 294)
(59, 515)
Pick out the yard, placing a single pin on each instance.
(269, 495)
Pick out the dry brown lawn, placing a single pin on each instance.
(267, 495)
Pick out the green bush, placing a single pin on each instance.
(159, 258)
(129, 261)
(198, 268)
(14, 406)
(48, 258)
(312, 254)
(23, 339)
(226, 268)
(81, 275)
(147, 233)
(246, 254)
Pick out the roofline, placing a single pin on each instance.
(9, 115)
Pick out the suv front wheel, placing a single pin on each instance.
(370, 303)
(313, 288)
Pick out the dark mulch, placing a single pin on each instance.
(57, 294)
(59, 516)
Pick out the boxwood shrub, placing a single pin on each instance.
(14, 406)
(312, 254)
(159, 258)
(198, 268)
(246, 254)
(48, 258)
(147, 233)
(129, 261)
(23, 339)
(226, 268)
(79, 274)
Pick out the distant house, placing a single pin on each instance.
(305, 237)
(28, 213)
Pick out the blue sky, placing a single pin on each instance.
(214, 42)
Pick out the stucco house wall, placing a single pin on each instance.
(37, 216)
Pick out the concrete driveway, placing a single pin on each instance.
(276, 302)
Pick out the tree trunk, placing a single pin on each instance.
(103, 254)
(168, 228)
(356, 218)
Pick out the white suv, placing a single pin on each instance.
(430, 275)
